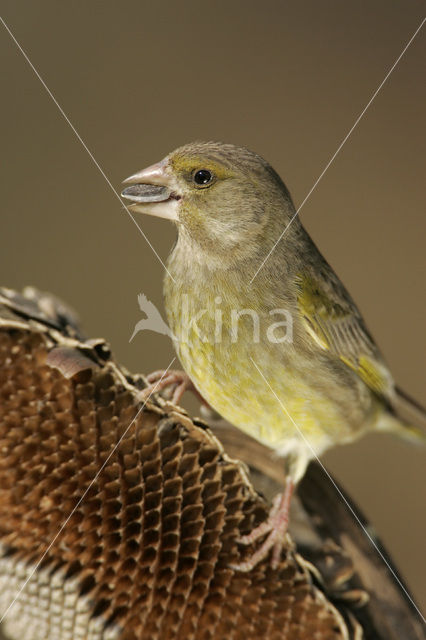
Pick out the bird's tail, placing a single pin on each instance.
(407, 420)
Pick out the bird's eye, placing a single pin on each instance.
(203, 177)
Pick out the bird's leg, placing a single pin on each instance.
(178, 380)
(275, 527)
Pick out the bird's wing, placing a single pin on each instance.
(333, 321)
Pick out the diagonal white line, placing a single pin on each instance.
(333, 157)
(84, 495)
(355, 515)
(80, 139)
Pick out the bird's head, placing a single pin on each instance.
(222, 197)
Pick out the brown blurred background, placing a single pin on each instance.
(287, 79)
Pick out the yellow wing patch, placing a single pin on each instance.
(374, 375)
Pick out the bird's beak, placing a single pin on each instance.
(153, 191)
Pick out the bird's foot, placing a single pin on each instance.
(275, 527)
(177, 381)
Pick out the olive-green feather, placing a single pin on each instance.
(335, 324)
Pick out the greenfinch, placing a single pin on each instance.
(276, 346)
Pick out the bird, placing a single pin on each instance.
(242, 259)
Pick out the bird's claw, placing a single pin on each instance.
(177, 380)
(160, 380)
(275, 527)
(264, 527)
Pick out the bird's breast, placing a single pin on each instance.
(236, 354)
(252, 367)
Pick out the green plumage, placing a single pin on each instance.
(329, 383)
